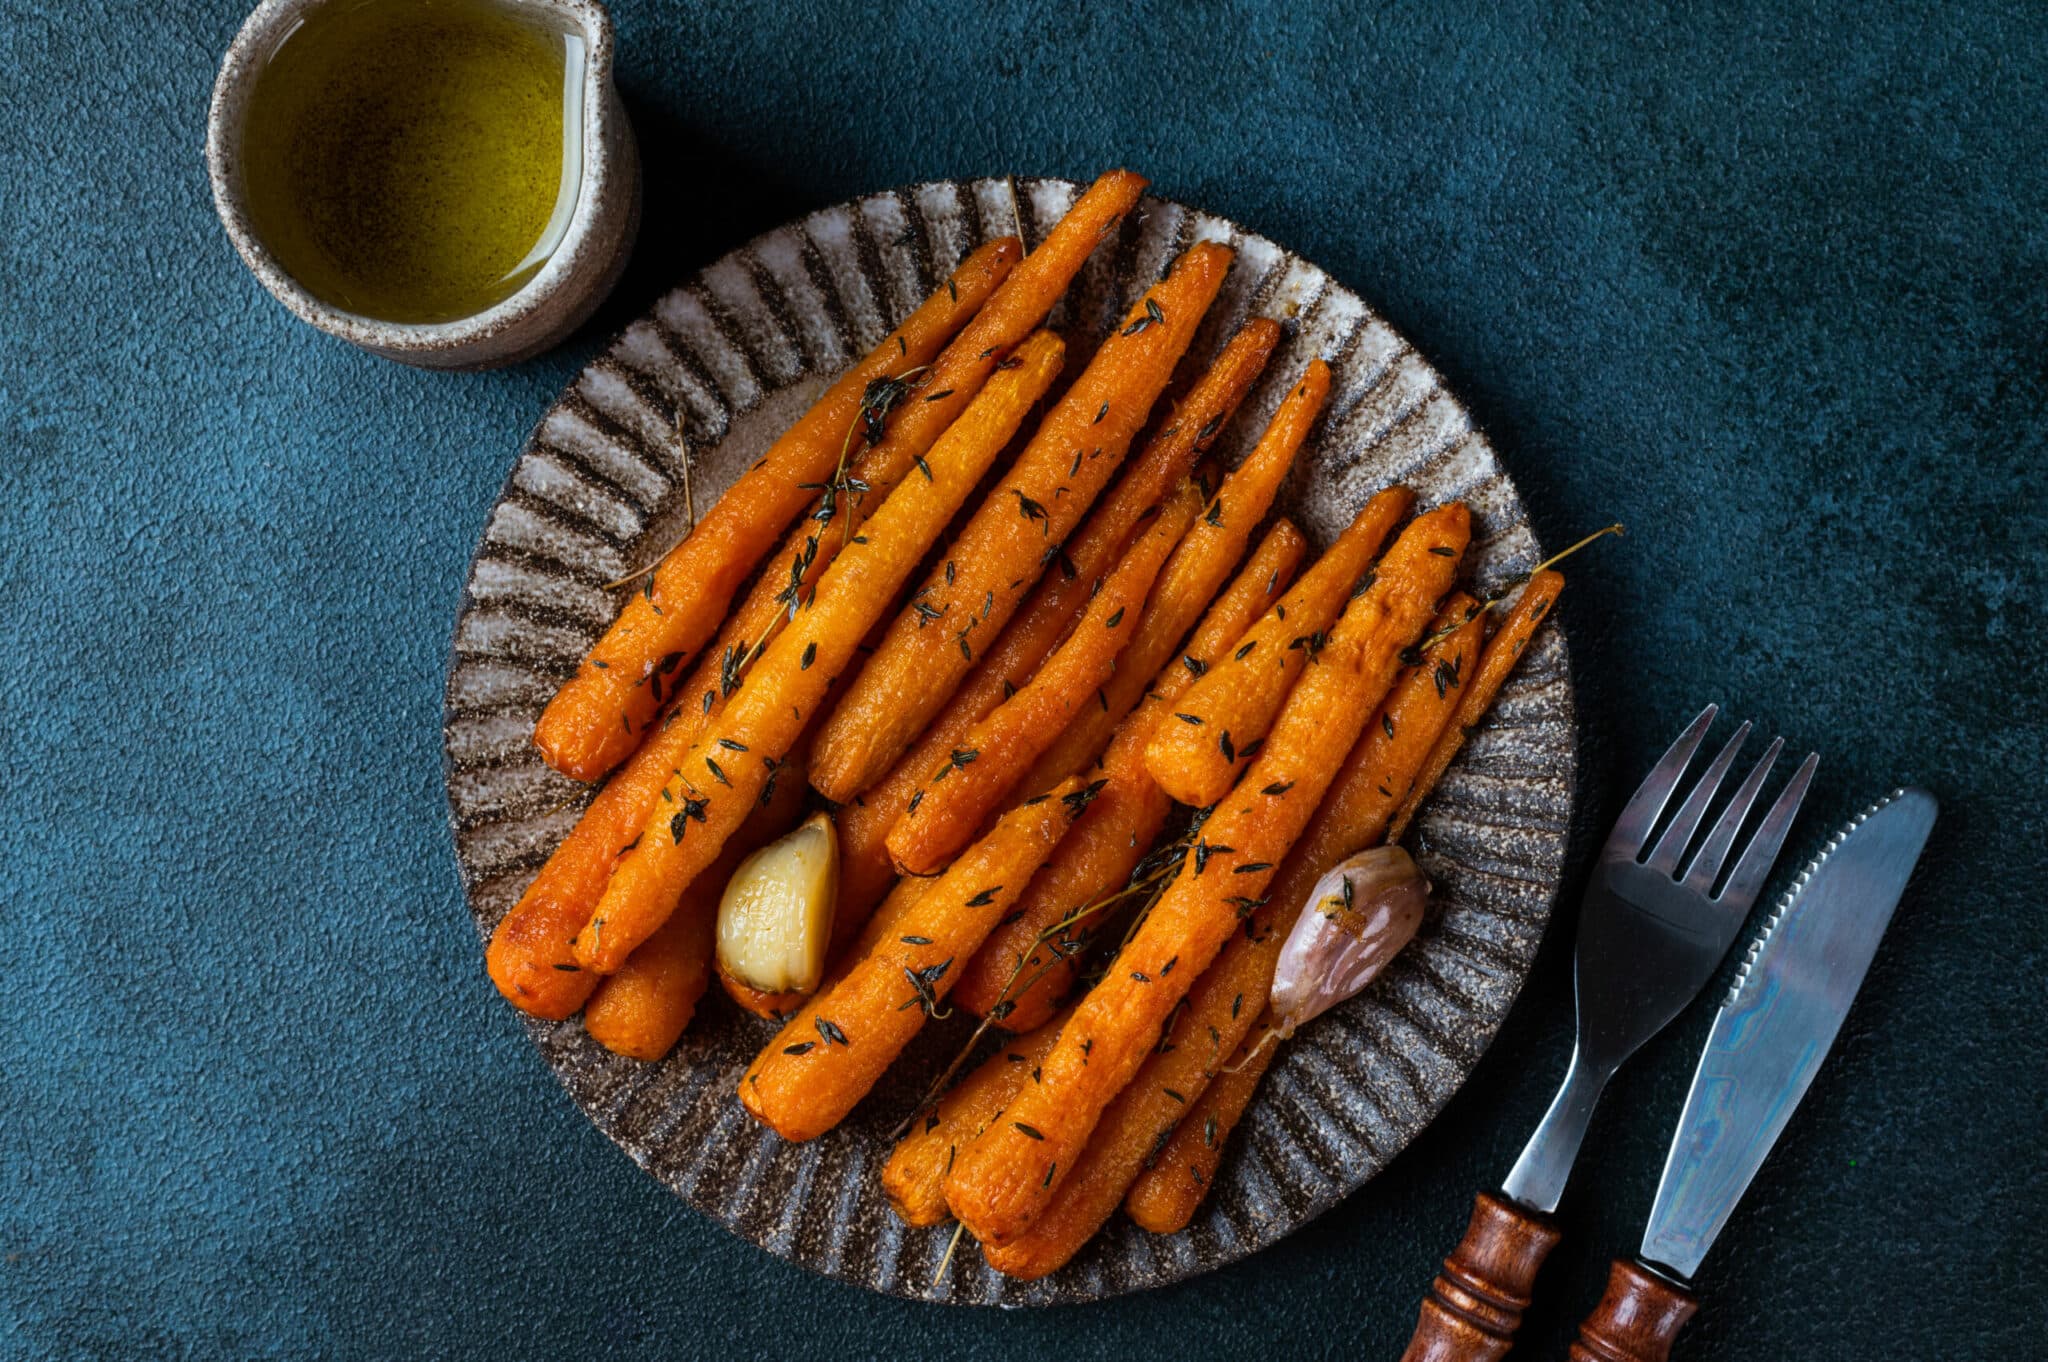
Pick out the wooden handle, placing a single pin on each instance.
(1475, 1305)
(1636, 1320)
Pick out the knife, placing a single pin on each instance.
(1768, 1041)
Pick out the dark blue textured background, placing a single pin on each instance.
(1770, 287)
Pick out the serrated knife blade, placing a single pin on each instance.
(1782, 1015)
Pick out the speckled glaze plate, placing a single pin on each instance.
(737, 353)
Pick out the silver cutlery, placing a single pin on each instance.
(1768, 1041)
(1652, 928)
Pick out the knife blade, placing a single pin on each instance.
(1778, 1022)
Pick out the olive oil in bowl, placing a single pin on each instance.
(415, 161)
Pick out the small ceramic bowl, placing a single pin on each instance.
(550, 305)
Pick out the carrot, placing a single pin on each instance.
(1190, 577)
(1503, 651)
(1229, 710)
(598, 717)
(912, 1177)
(1002, 1181)
(977, 777)
(1020, 975)
(1124, 1143)
(1231, 994)
(726, 767)
(1196, 571)
(1165, 1196)
(1016, 532)
(829, 1055)
(643, 1009)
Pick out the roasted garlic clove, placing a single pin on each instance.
(1357, 918)
(775, 919)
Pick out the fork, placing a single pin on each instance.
(1652, 929)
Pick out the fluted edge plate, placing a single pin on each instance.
(735, 354)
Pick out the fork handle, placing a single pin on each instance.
(1637, 1318)
(1475, 1304)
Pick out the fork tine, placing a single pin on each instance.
(1687, 820)
(1632, 829)
(1747, 879)
(1707, 864)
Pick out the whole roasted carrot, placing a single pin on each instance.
(1196, 571)
(976, 778)
(1002, 1182)
(1029, 963)
(644, 1008)
(1195, 758)
(600, 714)
(829, 1055)
(1231, 995)
(1503, 651)
(1014, 535)
(720, 777)
(912, 1178)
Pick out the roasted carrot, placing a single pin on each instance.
(1231, 995)
(1196, 571)
(724, 771)
(599, 716)
(1166, 1195)
(1016, 532)
(644, 1008)
(1503, 651)
(866, 821)
(1021, 974)
(1195, 759)
(829, 1055)
(913, 1177)
(1125, 1141)
(1002, 1181)
(1381, 785)
(976, 778)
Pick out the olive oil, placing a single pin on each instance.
(415, 160)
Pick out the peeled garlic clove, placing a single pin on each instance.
(1356, 919)
(775, 918)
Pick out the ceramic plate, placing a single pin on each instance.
(738, 352)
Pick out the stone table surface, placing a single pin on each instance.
(1769, 284)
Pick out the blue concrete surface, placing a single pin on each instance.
(1769, 285)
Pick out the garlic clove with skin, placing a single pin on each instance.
(1357, 918)
(775, 917)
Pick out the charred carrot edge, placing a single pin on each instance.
(642, 1010)
(916, 1168)
(598, 717)
(734, 757)
(1006, 1178)
(975, 779)
(1015, 533)
(1231, 993)
(1016, 970)
(829, 1055)
(1229, 710)
(1503, 651)
(864, 824)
